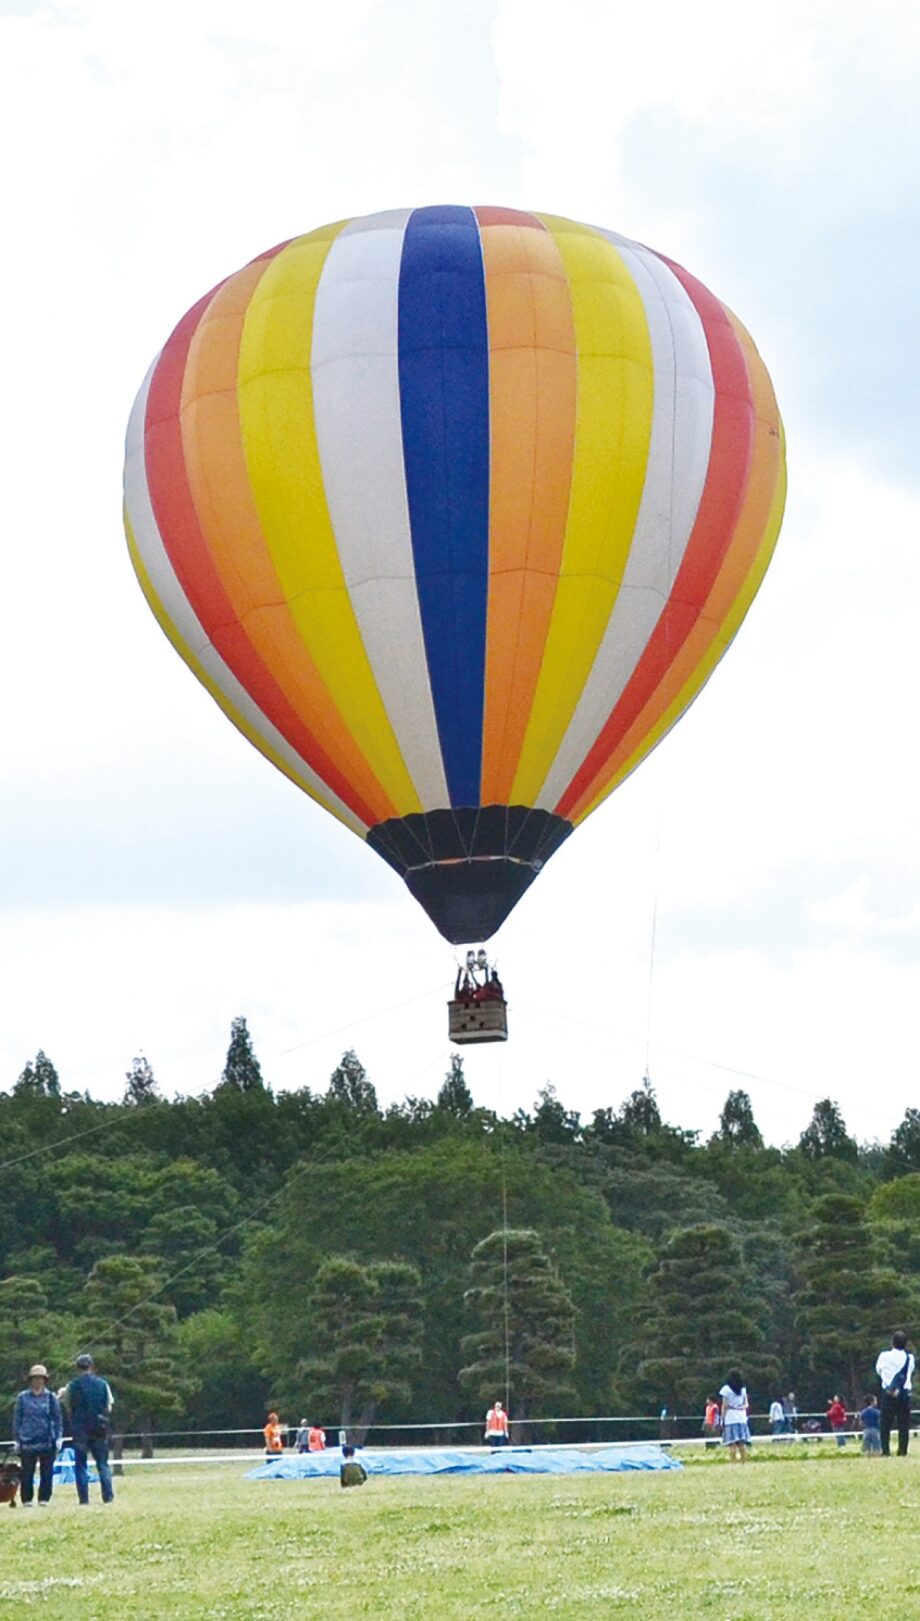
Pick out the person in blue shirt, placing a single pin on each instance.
(871, 1418)
(89, 1402)
(37, 1430)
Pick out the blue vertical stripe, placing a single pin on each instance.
(444, 404)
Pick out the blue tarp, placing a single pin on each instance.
(457, 1461)
(64, 1470)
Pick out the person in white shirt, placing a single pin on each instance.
(895, 1369)
(735, 1433)
(777, 1417)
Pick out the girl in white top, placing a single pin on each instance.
(735, 1433)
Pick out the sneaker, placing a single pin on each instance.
(28, 1504)
(42, 1503)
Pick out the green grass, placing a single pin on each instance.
(823, 1535)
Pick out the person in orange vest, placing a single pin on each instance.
(274, 1437)
(497, 1426)
(316, 1439)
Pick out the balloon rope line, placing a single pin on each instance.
(506, 1306)
(651, 953)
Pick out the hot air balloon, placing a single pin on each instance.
(454, 511)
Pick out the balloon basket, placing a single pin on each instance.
(477, 1021)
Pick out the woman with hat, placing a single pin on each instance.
(37, 1430)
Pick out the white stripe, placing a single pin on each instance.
(678, 459)
(185, 621)
(355, 371)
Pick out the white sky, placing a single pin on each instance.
(157, 877)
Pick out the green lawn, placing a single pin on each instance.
(820, 1535)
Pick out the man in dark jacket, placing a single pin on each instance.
(89, 1402)
(37, 1430)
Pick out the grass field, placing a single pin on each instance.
(830, 1536)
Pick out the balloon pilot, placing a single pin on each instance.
(478, 1011)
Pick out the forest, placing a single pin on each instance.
(243, 1248)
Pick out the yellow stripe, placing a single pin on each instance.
(282, 456)
(613, 424)
(721, 643)
(198, 669)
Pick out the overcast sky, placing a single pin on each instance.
(157, 876)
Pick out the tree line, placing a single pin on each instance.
(317, 1253)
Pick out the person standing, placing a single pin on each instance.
(89, 1403)
(273, 1432)
(316, 1439)
(837, 1419)
(777, 1418)
(870, 1419)
(37, 1430)
(712, 1419)
(895, 1369)
(736, 1434)
(496, 1426)
(790, 1412)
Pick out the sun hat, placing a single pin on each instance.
(38, 1371)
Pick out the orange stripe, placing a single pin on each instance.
(744, 556)
(227, 513)
(532, 388)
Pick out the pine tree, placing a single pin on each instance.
(455, 1096)
(364, 1327)
(704, 1318)
(640, 1114)
(525, 1324)
(39, 1079)
(242, 1071)
(349, 1085)
(849, 1298)
(903, 1153)
(737, 1126)
(131, 1331)
(826, 1135)
(140, 1084)
(24, 1332)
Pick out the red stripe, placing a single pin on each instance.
(720, 506)
(185, 544)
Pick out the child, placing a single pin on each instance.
(870, 1418)
(735, 1432)
(351, 1473)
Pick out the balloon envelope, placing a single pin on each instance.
(454, 510)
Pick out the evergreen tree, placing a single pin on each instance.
(131, 1331)
(903, 1152)
(39, 1079)
(640, 1114)
(826, 1135)
(365, 1330)
(140, 1084)
(737, 1126)
(349, 1085)
(455, 1096)
(849, 1298)
(552, 1121)
(703, 1318)
(242, 1071)
(24, 1333)
(525, 1320)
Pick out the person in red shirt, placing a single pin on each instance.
(837, 1419)
(316, 1439)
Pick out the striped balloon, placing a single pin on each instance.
(454, 510)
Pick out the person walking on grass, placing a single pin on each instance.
(895, 1369)
(870, 1418)
(89, 1402)
(37, 1430)
(736, 1434)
